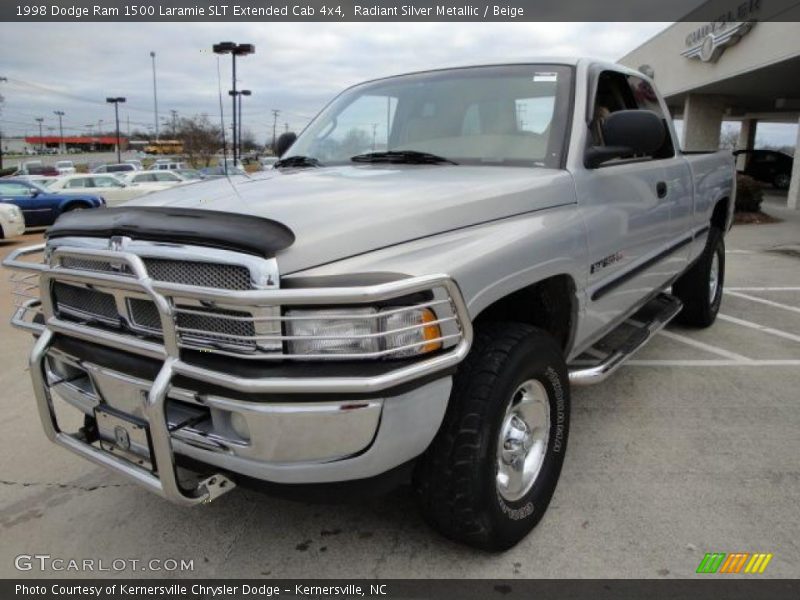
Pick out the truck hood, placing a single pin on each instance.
(339, 212)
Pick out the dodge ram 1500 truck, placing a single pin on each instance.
(411, 292)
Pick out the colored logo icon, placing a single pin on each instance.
(736, 562)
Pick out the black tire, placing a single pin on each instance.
(692, 288)
(456, 479)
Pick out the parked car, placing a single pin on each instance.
(36, 167)
(65, 167)
(219, 171)
(12, 221)
(769, 166)
(190, 174)
(115, 168)
(413, 307)
(167, 166)
(267, 162)
(110, 187)
(41, 206)
(42, 180)
(153, 180)
(135, 162)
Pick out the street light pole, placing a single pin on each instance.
(238, 132)
(275, 113)
(2, 79)
(234, 50)
(241, 118)
(60, 114)
(40, 120)
(155, 92)
(115, 102)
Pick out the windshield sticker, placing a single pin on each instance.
(548, 77)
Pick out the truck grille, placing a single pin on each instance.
(206, 274)
(199, 326)
(85, 303)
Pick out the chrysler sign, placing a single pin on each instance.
(707, 43)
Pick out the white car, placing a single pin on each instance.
(267, 162)
(42, 180)
(109, 187)
(117, 169)
(168, 166)
(65, 167)
(154, 180)
(12, 222)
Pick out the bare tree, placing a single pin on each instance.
(248, 141)
(201, 140)
(728, 137)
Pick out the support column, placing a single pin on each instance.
(702, 121)
(793, 199)
(747, 140)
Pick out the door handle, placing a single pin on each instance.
(661, 189)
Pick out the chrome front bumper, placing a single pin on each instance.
(290, 441)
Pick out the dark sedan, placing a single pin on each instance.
(41, 207)
(769, 166)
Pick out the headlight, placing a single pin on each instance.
(389, 332)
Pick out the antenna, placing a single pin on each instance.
(222, 122)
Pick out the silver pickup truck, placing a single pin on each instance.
(408, 295)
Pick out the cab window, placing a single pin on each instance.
(615, 92)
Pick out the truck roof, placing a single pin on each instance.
(571, 61)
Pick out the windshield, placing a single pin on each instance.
(513, 115)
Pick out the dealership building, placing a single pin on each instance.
(738, 68)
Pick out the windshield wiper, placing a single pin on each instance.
(298, 161)
(402, 156)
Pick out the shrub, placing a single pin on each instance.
(749, 194)
(8, 171)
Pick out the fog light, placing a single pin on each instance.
(239, 426)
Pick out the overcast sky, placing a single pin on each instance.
(297, 67)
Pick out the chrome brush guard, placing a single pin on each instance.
(38, 314)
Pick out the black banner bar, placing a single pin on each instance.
(713, 586)
(398, 10)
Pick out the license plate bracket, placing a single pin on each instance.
(125, 435)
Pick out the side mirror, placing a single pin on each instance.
(35, 193)
(626, 133)
(285, 140)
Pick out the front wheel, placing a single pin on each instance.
(700, 288)
(489, 475)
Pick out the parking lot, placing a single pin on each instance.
(691, 448)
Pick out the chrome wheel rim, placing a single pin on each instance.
(522, 443)
(713, 279)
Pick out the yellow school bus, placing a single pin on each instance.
(164, 147)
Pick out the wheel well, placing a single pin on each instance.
(549, 304)
(719, 218)
(76, 204)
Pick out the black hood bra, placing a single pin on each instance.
(215, 229)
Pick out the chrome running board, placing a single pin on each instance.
(607, 355)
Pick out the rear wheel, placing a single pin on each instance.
(489, 475)
(700, 288)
